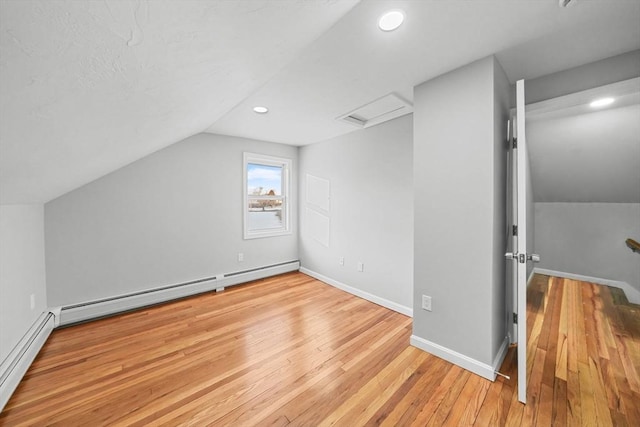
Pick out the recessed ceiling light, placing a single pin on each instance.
(602, 102)
(261, 110)
(391, 20)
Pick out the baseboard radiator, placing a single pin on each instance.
(18, 361)
(100, 308)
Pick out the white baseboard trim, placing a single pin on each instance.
(459, 359)
(530, 277)
(402, 309)
(16, 364)
(502, 353)
(633, 295)
(95, 309)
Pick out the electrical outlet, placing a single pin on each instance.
(33, 301)
(360, 266)
(240, 257)
(341, 260)
(426, 303)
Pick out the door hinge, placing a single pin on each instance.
(514, 230)
(515, 318)
(514, 143)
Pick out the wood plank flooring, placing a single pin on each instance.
(293, 351)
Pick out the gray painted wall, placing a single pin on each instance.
(22, 272)
(592, 157)
(168, 218)
(588, 239)
(459, 213)
(371, 209)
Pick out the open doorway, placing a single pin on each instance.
(585, 175)
(585, 187)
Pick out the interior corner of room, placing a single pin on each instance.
(412, 207)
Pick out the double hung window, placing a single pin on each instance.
(266, 196)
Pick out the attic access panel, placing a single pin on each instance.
(380, 110)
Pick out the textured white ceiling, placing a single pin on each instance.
(89, 86)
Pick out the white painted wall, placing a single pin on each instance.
(588, 239)
(171, 217)
(22, 272)
(459, 212)
(511, 292)
(370, 210)
(531, 223)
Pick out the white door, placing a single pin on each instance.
(521, 262)
(519, 256)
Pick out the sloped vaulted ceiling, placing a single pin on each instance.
(579, 153)
(89, 86)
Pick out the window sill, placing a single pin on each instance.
(263, 234)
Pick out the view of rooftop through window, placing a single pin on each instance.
(265, 197)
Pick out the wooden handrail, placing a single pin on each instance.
(633, 245)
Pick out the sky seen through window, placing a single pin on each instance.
(261, 179)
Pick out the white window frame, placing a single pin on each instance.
(285, 164)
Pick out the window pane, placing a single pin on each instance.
(264, 214)
(264, 180)
(266, 196)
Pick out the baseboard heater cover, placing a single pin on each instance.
(95, 309)
(18, 361)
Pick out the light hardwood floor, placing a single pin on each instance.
(291, 350)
